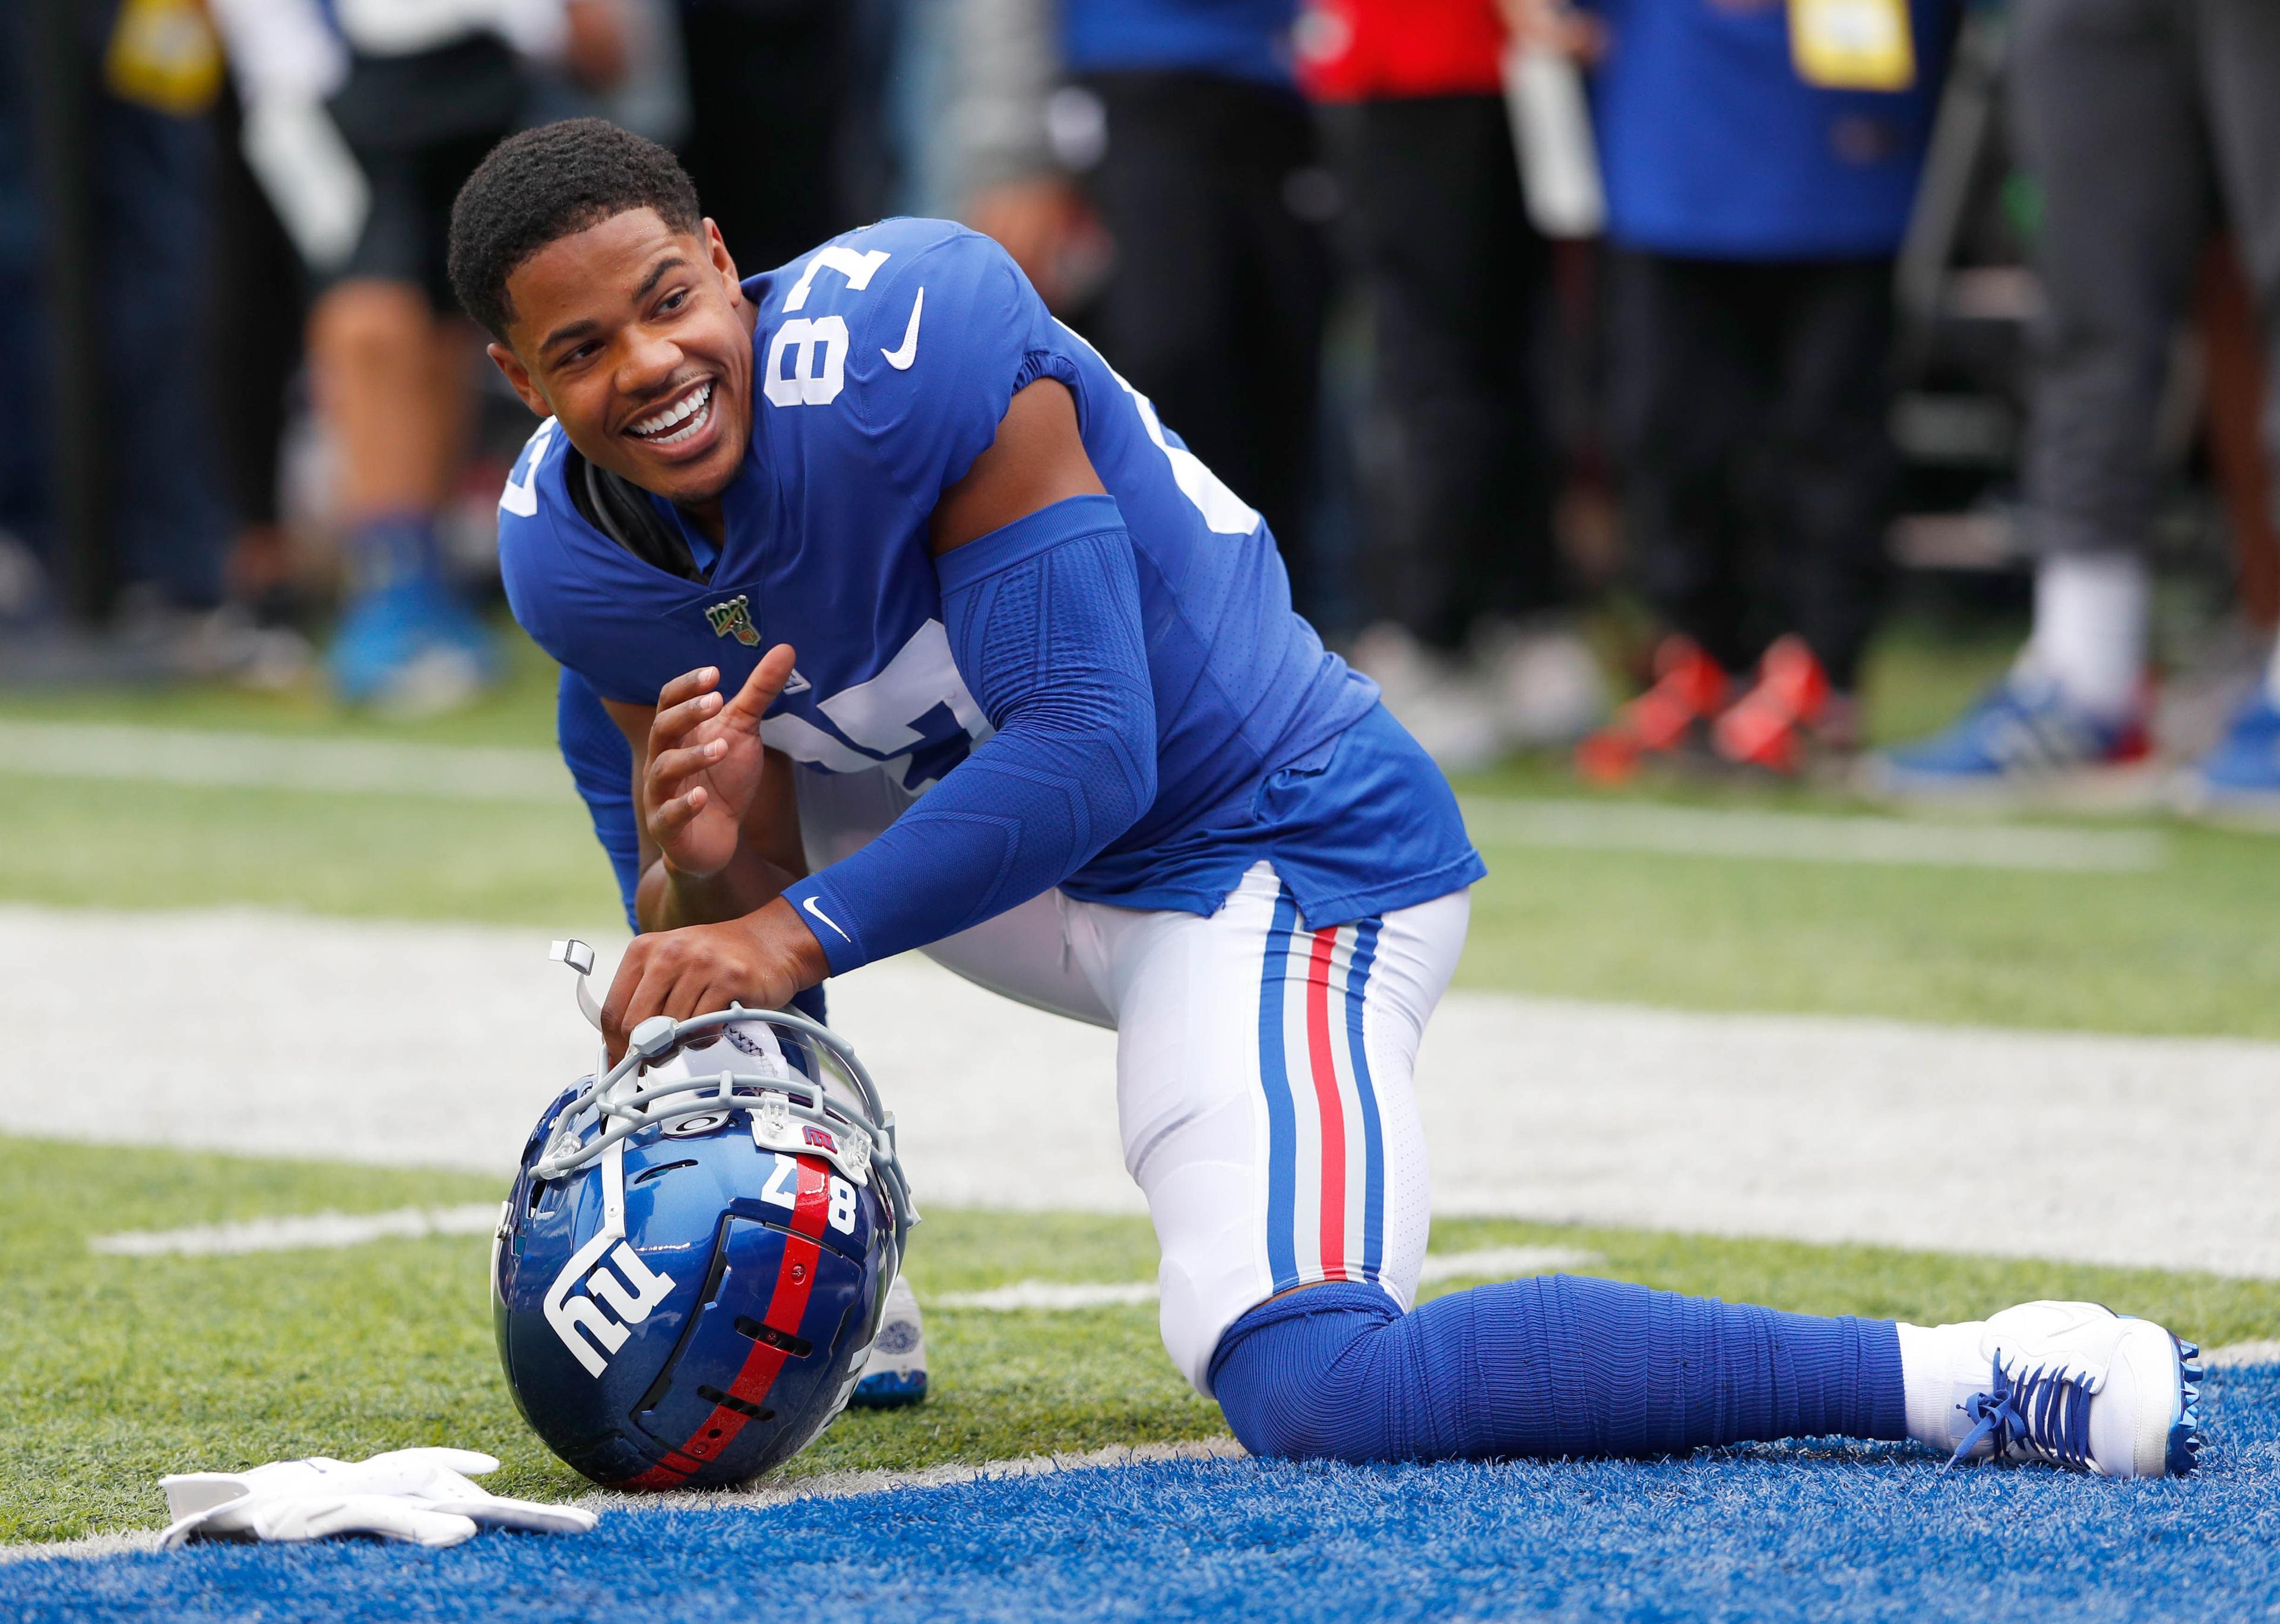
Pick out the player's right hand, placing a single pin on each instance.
(705, 762)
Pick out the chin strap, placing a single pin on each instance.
(580, 958)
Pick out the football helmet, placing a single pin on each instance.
(689, 1274)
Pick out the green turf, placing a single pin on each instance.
(2185, 948)
(519, 710)
(135, 845)
(119, 1369)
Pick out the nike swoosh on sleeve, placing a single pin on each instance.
(901, 359)
(810, 904)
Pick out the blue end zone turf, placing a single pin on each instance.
(1864, 1531)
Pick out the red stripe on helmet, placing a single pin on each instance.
(787, 1306)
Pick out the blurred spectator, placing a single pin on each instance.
(1185, 125)
(258, 306)
(770, 97)
(2132, 115)
(1461, 554)
(23, 364)
(361, 119)
(1760, 161)
(151, 72)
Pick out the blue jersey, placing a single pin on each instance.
(883, 363)
(1714, 146)
(1236, 39)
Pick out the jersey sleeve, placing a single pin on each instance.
(601, 765)
(940, 340)
(1044, 621)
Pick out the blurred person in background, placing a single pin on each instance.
(1182, 121)
(1761, 162)
(1461, 558)
(361, 119)
(258, 312)
(771, 92)
(23, 362)
(153, 72)
(2133, 116)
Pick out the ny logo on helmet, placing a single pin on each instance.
(733, 618)
(631, 1299)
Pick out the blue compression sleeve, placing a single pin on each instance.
(1043, 617)
(1547, 1368)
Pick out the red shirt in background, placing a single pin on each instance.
(1352, 51)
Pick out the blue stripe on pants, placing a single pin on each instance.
(1281, 1124)
(1373, 1248)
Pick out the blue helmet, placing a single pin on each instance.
(688, 1276)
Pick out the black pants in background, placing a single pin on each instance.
(1750, 404)
(257, 303)
(1215, 308)
(1459, 281)
(2134, 117)
(770, 84)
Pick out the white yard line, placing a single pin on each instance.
(1053, 1296)
(842, 1485)
(2240, 1355)
(1806, 837)
(92, 1547)
(822, 1486)
(438, 1045)
(309, 1232)
(1502, 1263)
(279, 761)
(217, 758)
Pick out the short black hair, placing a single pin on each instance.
(554, 181)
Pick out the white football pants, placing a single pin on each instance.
(1263, 1069)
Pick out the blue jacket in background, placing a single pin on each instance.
(1236, 39)
(1713, 147)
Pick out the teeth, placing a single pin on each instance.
(684, 413)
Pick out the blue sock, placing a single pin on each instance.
(1557, 1366)
(392, 548)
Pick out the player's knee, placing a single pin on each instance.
(1316, 1375)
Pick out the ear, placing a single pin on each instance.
(518, 377)
(718, 251)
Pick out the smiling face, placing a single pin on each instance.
(636, 337)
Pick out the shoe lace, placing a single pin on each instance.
(2046, 1411)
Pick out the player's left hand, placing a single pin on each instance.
(758, 961)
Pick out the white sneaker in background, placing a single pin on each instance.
(1445, 708)
(1546, 683)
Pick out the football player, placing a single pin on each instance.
(924, 632)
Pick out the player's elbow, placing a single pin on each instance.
(1102, 732)
(1137, 746)
(1124, 775)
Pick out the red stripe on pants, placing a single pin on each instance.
(1333, 1108)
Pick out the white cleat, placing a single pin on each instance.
(2072, 1384)
(895, 1374)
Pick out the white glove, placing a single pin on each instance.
(415, 1495)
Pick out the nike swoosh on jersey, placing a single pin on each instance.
(810, 905)
(901, 359)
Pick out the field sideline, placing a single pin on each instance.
(1760, 1044)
